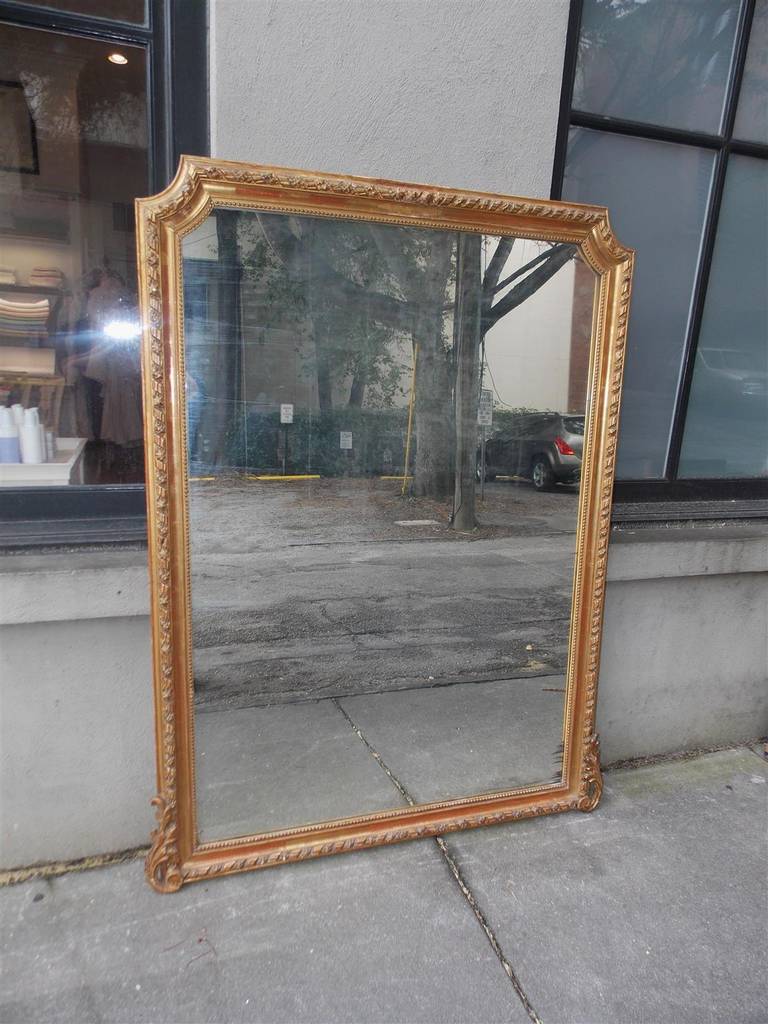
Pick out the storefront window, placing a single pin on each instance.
(656, 61)
(73, 155)
(133, 12)
(752, 113)
(633, 177)
(668, 127)
(726, 430)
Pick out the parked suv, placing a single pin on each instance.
(544, 447)
(729, 373)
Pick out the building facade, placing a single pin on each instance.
(655, 109)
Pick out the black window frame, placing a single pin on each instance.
(670, 496)
(175, 35)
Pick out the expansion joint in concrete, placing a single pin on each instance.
(53, 869)
(453, 867)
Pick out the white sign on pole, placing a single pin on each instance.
(345, 440)
(286, 413)
(485, 409)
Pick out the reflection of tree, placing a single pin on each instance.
(355, 288)
(483, 299)
(322, 278)
(641, 56)
(216, 416)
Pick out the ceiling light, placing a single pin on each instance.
(117, 58)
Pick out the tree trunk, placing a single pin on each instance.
(324, 380)
(219, 418)
(317, 320)
(357, 391)
(433, 465)
(466, 348)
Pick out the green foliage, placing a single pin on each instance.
(508, 420)
(313, 442)
(344, 341)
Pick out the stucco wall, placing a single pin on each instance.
(76, 735)
(441, 91)
(685, 656)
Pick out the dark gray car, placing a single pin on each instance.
(545, 447)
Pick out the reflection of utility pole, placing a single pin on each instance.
(411, 404)
(467, 338)
(482, 428)
(309, 438)
(229, 353)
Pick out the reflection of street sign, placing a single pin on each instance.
(286, 413)
(345, 440)
(485, 409)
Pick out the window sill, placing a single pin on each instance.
(56, 534)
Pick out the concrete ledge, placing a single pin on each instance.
(59, 587)
(73, 586)
(684, 664)
(637, 556)
(76, 739)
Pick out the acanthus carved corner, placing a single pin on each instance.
(163, 864)
(592, 777)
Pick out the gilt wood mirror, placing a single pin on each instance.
(381, 425)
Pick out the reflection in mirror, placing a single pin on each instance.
(385, 430)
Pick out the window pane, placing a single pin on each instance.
(656, 61)
(752, 113)
(726, 431)
(657, 195)
(133, 11)
(73, 153)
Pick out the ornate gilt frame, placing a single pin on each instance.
(201, 184)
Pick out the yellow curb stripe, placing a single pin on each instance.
(298, 476)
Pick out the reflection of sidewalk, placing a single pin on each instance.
(440, 743)
(652, 909)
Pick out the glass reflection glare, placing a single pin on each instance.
(122, 330)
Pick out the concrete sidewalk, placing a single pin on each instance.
(651, 910)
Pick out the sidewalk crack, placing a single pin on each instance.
(453, 867)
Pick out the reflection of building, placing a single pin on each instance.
(536, 353)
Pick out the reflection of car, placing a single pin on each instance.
(730, 372)
(543, 446)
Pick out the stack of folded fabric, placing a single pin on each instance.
(46, 277)
(24, 319)
(7, 275)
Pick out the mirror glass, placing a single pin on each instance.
(385, 428)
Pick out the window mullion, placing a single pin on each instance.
(77, 24)
(696, 313)
(708, 244)
(737, 67)
(566, 96)
(645, 130)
